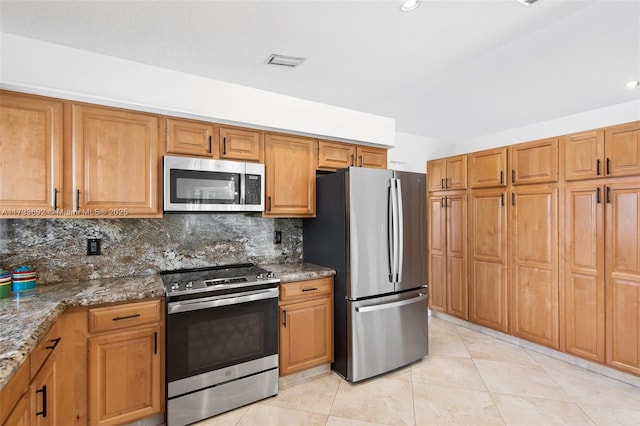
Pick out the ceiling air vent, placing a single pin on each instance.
(527, 2)
(286, 61)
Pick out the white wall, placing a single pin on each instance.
(602, 117)
(34, 66)
(413, 151)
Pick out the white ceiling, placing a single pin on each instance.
(450, 70)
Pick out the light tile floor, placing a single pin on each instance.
(469, 378)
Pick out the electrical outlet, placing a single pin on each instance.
(93, 246)
(277, 239)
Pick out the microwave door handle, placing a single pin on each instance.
(243, 185)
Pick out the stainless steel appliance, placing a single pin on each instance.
(370, 227)
(201, 184)
(222, 340)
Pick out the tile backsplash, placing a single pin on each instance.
(57, 248)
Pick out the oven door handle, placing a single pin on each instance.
(217, 301)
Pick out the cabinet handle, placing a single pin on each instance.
(513, 198)
(446, 183)
(441, 202)
(513, 176)
(353, 159)
(501, 177)
(284, 318)
(209, 144)
(77, 200)
(269, 203)
(598, 167)
(55, 198)
(598, 196)
(224, 146)
(502, 199)
(446, 201)
(55, 343)
(608, 166)
(126, 317)
(310, 289)
(608, 195)
(442, 183)
(155, 342)
(360, 160)
(43, 391)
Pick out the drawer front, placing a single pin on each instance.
(47, 345)
(12, 392)
(125, 315)
(306, 289)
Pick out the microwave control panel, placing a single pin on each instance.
(253, 190)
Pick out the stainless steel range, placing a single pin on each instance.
(222, 339)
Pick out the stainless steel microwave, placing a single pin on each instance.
(201, 184)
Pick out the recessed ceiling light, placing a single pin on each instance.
(527, 2)
(632, 84)
(409, 5)
(285, 61)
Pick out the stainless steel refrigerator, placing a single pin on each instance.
(370, 226)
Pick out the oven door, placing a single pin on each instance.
(217, 339)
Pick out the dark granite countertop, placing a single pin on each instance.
(301, 271)
(26, 321)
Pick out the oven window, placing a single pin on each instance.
(206, 340)
(191, 186)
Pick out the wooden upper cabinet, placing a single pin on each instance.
(534, 162)
(582, 289)
(488, 303)
(241, 144)
(337, 155)
(371, 157)
(622, 150)
(533, 238)
(622, 280)
(290, 176)
(583, 155)
(116, 162)
(191, 137)
(447, 173)
(488, 168)
(30, 154)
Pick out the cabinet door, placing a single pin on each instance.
(190, 137)
(487, 169)
(488, 259)
(290, 169)
(534, 162)
(30, 154)
(437, 263)
(371, 157)
(457, 285)
(622, 150)
(534, 264)
(622, 287)
(436, 173)
(21, 414)
(124, 376)
(583, 155)
(116, 162)
(456, 177)
(240, 144)
(335, 155)
(306, 334)
(583, 284)
(42, 390)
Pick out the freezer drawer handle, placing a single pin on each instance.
(420, 298)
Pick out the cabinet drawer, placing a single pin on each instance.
(121, 316)
(45, 348)
(14, 390)
(304, 289)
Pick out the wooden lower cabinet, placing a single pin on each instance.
(488, 302)
(622, 281)
(306, 325)
(534, 264)
(21, 414)
(124, 376)
(582, 289)
(43, 391)
(437, 249)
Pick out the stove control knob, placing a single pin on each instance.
(175, 286)
(189, 284)
(260, 276)
(269, 274)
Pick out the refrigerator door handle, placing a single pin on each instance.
(394, 220)
(400, 232)
(411, 301)
(390, 246)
